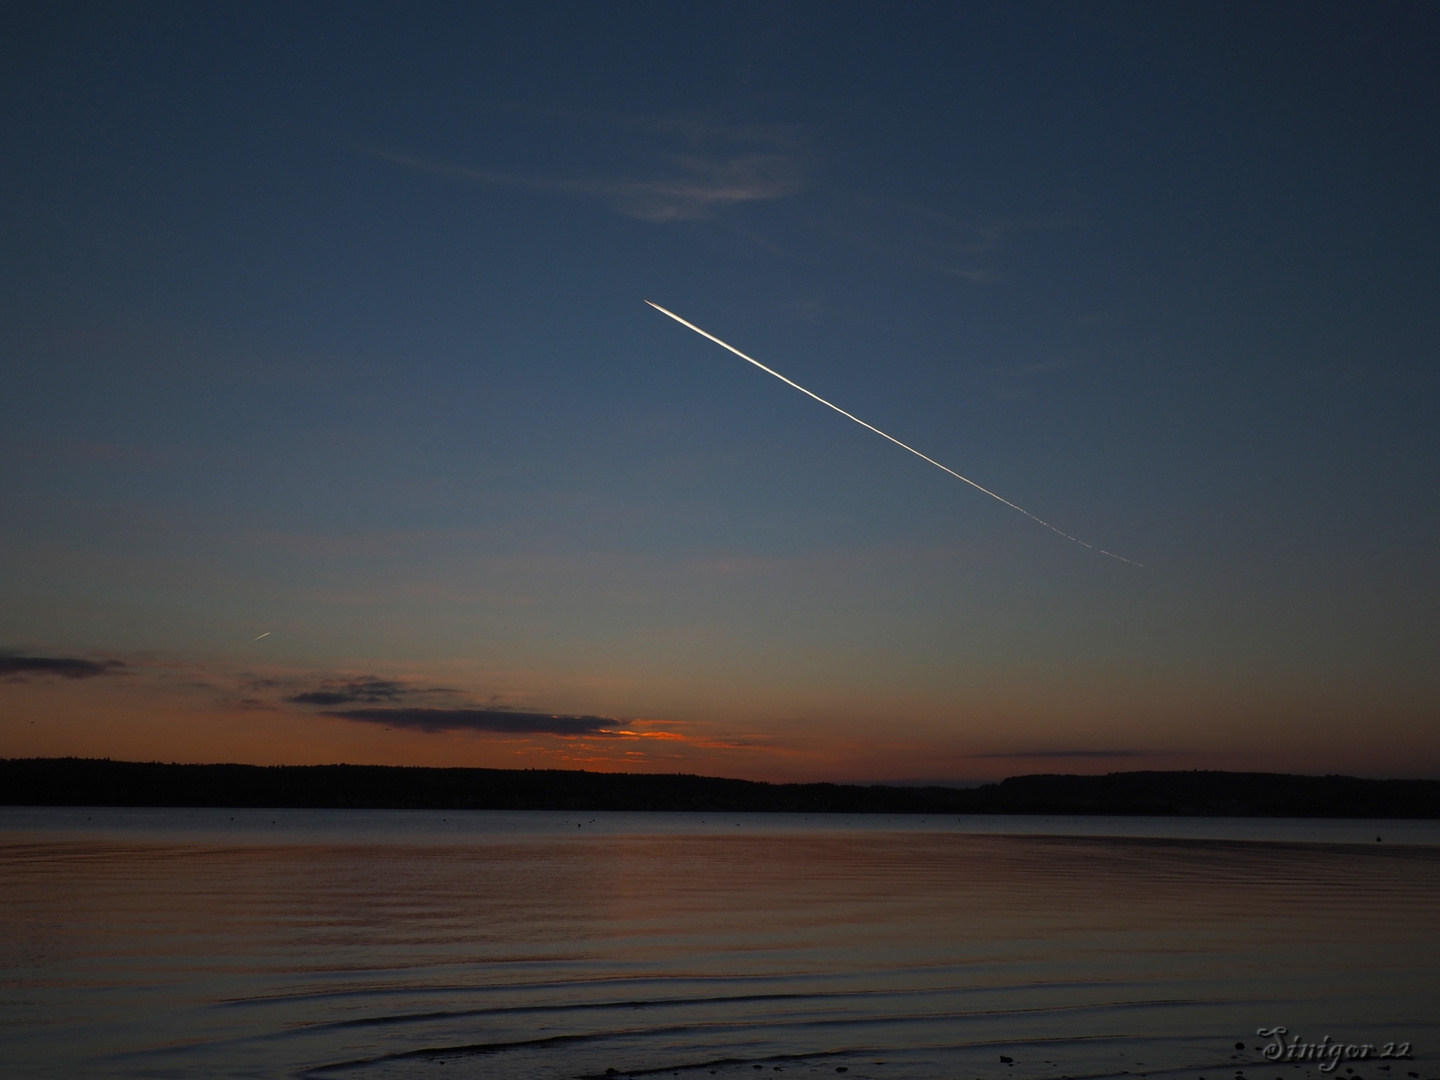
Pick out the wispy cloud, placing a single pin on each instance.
(669, 168)
(938, 241)
(502, 721)
(685, 187)
(66, 667)
(692, 129)
(975, 277)
(1017, 381)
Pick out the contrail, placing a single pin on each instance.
(265, 634)
(877, 431)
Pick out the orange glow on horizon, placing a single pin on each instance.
(192, 712)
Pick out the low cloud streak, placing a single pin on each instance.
(67, 667)
(346, 691)
(1022, 754)
(499, 721)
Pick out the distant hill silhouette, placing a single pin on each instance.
(102, 782)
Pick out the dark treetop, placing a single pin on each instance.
(101, 782)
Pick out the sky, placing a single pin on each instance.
(334, 426)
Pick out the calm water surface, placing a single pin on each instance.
(182, 943)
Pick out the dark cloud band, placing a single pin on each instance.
(500, 721)
(345, 691)
(67, 667)
(1069, 754)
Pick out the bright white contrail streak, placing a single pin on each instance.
(265, 634)
(877, 431)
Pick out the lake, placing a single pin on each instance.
(367, 944)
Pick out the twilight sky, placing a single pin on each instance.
(324, 322)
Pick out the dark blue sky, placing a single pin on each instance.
(325, 320)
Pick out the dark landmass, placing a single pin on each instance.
(102, 782)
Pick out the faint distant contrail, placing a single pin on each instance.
(877, 431)
(265, 634)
